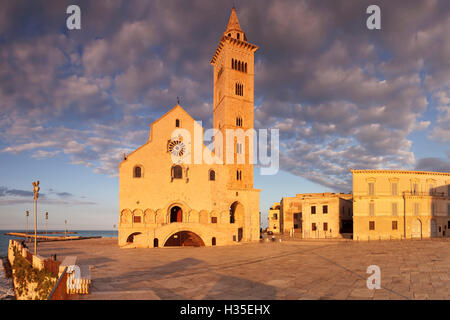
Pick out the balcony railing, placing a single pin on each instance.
(434, 194)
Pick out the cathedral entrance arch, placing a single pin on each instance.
(176, 214)
(184, 239)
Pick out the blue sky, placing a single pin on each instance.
(343, 97)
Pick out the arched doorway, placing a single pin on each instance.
(433, 228)
(176, 214)
(130, 238)
(184, 239)
(236, 213)
(416, 229)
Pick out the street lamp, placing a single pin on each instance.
(35, 197)
(27, 214)
(65, 228)
(46, 223)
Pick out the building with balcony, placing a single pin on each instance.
(391, 204)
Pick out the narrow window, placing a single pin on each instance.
(313, 227)
(238, 36)
(394, 189)
(212, 175)
(177, 123)
(275, 216)
(213, 219)
(371, 225)
(155, 243)
(177, 172)
(371, 189)
(232, 63)
(325, 226)
(325, 209)
(394, 225)
(245, 67)
(394, 209)
(213, 241)
(313, 209)
(137, 172)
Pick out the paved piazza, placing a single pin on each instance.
(286, 270)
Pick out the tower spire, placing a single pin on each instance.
(233, 22)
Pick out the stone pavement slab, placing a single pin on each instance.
(286, 270)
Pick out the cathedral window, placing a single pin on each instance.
(239, 89)
(137, 172)
(239, 122)
(177, 172)
(212, 175)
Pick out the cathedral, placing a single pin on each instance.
(169, 198)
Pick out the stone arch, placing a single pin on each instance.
(236, 213)
(136, 214)
(130, 238)
(214, 214)
(184, 238)
(193, 216)
(125, 216)
(203, 216)
(176, 214)
(181, 204)
(160, 217)
(149, 216)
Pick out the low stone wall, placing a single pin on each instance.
(30, 278)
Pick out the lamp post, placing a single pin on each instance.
(27, 214)
(46, 223)
(65, 228)
(35, 197)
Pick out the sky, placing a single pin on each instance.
(343, 96)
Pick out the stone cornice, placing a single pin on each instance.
(400, 172)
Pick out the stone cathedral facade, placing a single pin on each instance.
(166, 196)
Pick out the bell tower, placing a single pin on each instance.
(233, 63)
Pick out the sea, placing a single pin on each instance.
(6, 291)
(4, 239)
